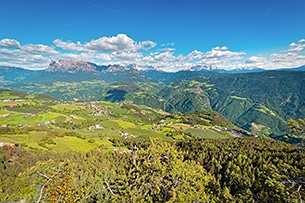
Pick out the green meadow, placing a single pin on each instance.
(208, 134)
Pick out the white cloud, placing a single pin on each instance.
(115, 43)
(171, 44)
(68, 45)
(147, 45)
(301, 41)
(165, 56)
(9, 43)
(121, 42)
(39, 49)
(167, 49)
(223, 53)
(195, 55)
(287, 60)
(290, 58)
(126, 56)
(29, 56)
(148, 60)
(104, 57)
(76, 56)
(218, 57)
(223, 48)
(256, 60)
(297, 47)
(21, 58)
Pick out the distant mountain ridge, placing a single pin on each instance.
(74, 66)
(71, 66)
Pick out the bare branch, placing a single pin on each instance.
(134, 154)
(300, 196)
(41, 190)
(43, 175)
(108, 187)
(44, 185)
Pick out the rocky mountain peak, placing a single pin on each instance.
(115, 68)
(70, 66)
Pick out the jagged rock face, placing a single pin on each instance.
(73, 66)
(115, 68)
(70, 66)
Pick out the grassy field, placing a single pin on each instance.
(208, 134)
(124, 124)
(67, 144)
(14, 138)
(29, 140)
(13, 119)
(62, 144)
(138, 132)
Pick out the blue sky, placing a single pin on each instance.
(169, 35)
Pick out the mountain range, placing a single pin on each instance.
(256, 100)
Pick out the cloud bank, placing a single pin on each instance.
(123, 50)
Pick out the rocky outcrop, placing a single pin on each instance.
(115, 68)
(73, 66)
(70, 66)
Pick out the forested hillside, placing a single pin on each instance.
(268, 98)
(192, 170)
(260, 102)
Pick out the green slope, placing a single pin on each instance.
(42, 123)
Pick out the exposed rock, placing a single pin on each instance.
(115, 68)
(71, 66)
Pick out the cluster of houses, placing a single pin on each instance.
(158, 127)
(124, 134)
(97, 110)
(26, 115)
(97, 126)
